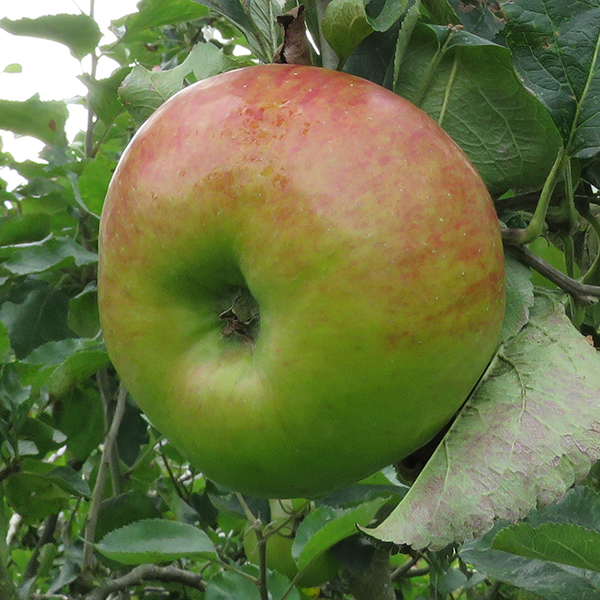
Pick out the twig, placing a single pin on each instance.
(149, 573)
(584, 293)
(98, 493)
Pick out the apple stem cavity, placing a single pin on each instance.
(241, 318)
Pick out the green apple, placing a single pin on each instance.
(301, 277)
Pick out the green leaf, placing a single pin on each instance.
(557, 542)
(80, 417)
(93, 182)
(70, 481)
(155, 541)
(122, 510)
(18, 228)
(143, 91)
(516, 444)
(47, 254)
(13, 68)
(42, 120)
(345, 25)
(63, 364)
(228, 585)
(35, 313)
(469, 86)
(327, 526)
(103, 94)
(157, 13)
(484, 19)
(556, 46)
(5, 348)
(84, 317)
(79, 32)
(382, 15)
(552, 581)
(34, 496)
(243, 14)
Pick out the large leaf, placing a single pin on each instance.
(525, 436)
(34, 117)
(555, 44)
(79, 32)
(154, 541)
(469, 86)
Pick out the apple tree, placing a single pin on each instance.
(502, 504)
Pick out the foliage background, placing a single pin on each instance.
(96, 503)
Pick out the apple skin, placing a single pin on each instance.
(364, 234)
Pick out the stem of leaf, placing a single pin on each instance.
(89, 133)
(329, 59)
(535, 227)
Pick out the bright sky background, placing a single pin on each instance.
(48, 67)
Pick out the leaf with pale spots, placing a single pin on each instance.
(529, 431)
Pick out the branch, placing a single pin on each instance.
(149, 573)
(582, 292)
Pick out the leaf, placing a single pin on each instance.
(567, 532)
(528, 432)
(47, 254)
(555, 45)
(157, 13)
(469, 86)
(79, 32)
(550, 580)
(249, 16)
(156, 541)
(228, 585)
(63, 364)
(143, 91)
(93, 182)
(483, 19)
(345, 25)
(103, 94)
(84, 316)
(557, 542)
(80, 417)
(13, 68)
(519, 297)
(35, 313)
(42, 120)
(5, 348)
(124, 509)
(326, 526)
(34, 496)
(382, 15)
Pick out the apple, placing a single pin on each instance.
(301, 277)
